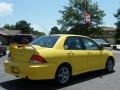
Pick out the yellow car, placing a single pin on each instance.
(58, 57)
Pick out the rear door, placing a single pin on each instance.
(76, 53)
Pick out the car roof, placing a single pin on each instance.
(98, 39)
(67, 35)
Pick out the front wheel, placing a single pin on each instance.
(109, 65)
(63, 75)
(4, 53)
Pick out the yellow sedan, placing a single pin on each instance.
(58, 57)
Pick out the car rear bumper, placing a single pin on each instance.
(33, 72)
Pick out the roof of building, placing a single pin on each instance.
(9, 32)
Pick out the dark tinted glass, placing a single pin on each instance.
(90, 44)
(73, 43)
(45, 41)
(99, 41)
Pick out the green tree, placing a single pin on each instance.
(117, 33)
(72, 19)
(55, 30)
(24, 26)
(9, 27)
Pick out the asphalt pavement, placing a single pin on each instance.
(97, 80)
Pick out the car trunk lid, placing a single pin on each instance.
(24, 53)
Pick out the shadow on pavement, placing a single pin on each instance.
(22, 84)
(2, 55)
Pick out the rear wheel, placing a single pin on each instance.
(109, 65)
(63, 74)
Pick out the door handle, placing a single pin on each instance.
(90, 53)
(70, 54)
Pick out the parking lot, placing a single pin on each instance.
(97, 80)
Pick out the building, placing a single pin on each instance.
(7, 35)
(111, 32)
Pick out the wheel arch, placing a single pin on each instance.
(64, 64)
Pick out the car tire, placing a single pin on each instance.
(109, 65)
(114, 47)
(4, 53)
(63, 75)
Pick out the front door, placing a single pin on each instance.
(96, 57)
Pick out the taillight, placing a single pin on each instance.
(36, 59)
(9, 56)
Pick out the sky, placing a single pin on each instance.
(43, 14)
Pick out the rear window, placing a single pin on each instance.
(45, 41)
